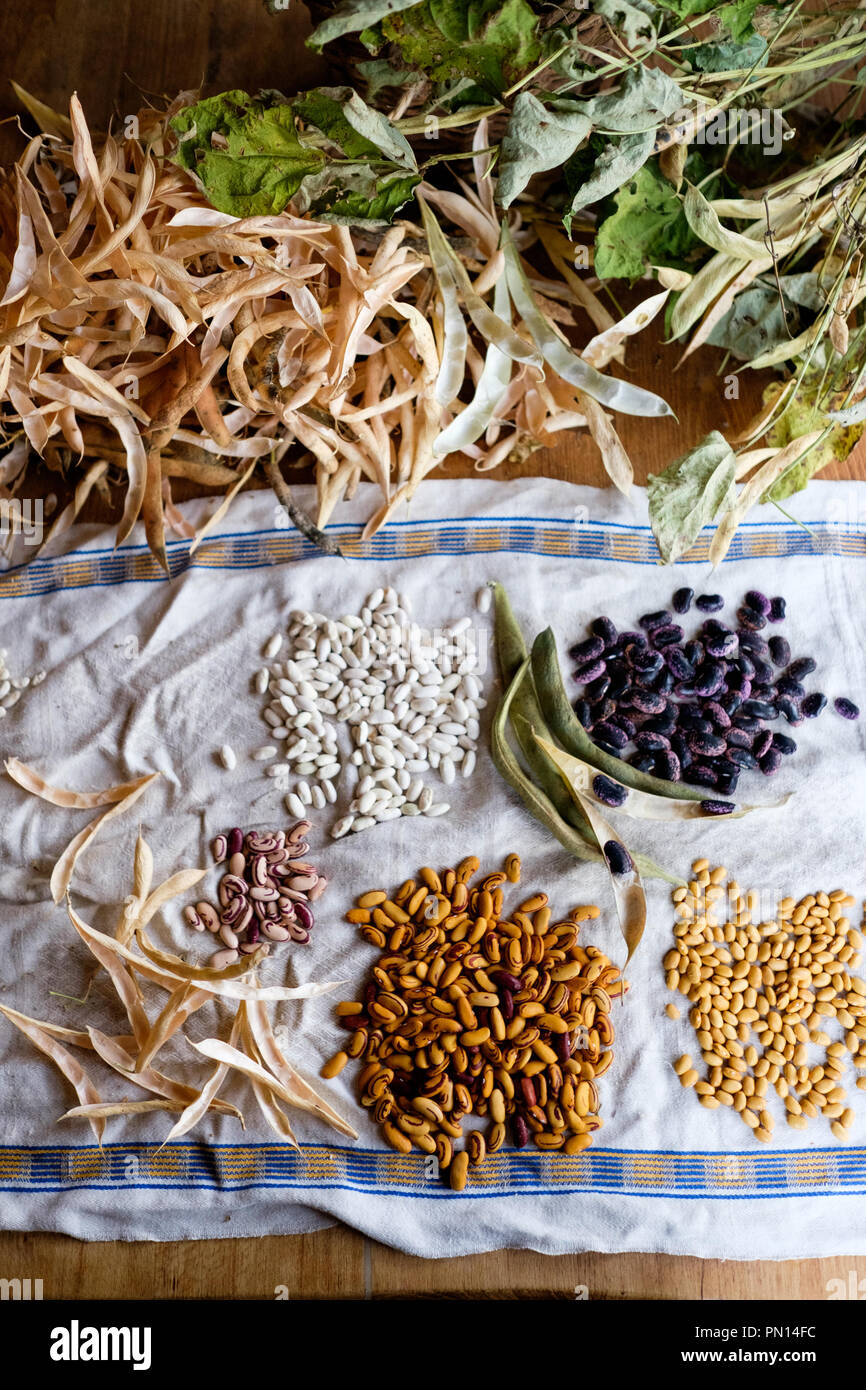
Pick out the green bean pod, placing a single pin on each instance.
(568, 730)
(527, 714)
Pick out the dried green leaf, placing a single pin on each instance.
(537, 138)
(689, 493)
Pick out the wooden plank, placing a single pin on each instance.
(326, 1264)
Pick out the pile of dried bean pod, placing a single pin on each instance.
(763, 994)
(472, 1013)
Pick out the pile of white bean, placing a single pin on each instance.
(13, 687)
(411, 699)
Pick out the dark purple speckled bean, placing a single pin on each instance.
(589, 650)
(647, 701)
(742, 757)
(608, 791)
(603, 627)
(723, 645)
(649, 742)
(763, 742)
(814, 704)
(738, 738)
(707, 745)
(649, 621)
(590, 671)
(667, 635)
(777, 609)
(710, 603)
(780, 650)
(846, 708)
(610, 733)
(749, 619)
(786, 746)
(682, 600)
(668, 766)
(619, 860)
(761, 604)
(803, 666)
(771, 762)
(717, 808)
(791, 710)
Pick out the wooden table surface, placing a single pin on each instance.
(111, 51)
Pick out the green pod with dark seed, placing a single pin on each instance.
(526, 714)
(570, 733)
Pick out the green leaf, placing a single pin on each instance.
(350, 16)
(805, 413)
(246, 155)
(689, 494)
(647, 227)
(754, 323)
(737, 18)
(359, 197)
(379, 75)
(633, 20)
(537, 138)
(490, 42)
(728, 57)
(614, 166)
(645, 98)
(359, 131)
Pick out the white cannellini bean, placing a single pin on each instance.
(227, 757)
(272, 646)
(483, 599)
(295, 806)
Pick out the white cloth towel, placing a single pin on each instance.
(146, 674)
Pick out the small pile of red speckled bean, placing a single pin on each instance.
(265, 893)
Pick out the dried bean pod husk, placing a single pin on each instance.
(64, 1061)
(627, 888)
(578, 776)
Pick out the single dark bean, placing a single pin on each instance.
(786, 685)
(771, 762)
(738, 738)
(763, 742)
(760, 709)
(590, 671)
(724, 645)
(717, 808)
(814, 704)
(661, 723)
(745, 665)
(694, 652)
(704, 774)
(790, 709)
(764, 674)
(619, 683)
(606, 747)
(644, 661)
(726, 783)
(786, 746)
(611, 733)
(714, 627)
(709, 679)
(719, 715)
(608, 791)
(603, 709)
(749, 619)
(651, 743)
(803, 666)
(597, 689)
(666, 635)
(619, 860)
(644, 762)
(678, 663)
(691, 717)
(780, 650)
(653, 620)
(748, 722)
(519, 1131)
(732, 701)
(737, 682)
(761, 604)
(668, 766)
(754, 642)
(682, 600)
(583, 712)
(742, 757)
(848, 710)
(647, 701)
(664, 682)
(679, 745)
(623, 722)
(707, 745)
(777, 609)
(605, 629)
(589, 650)
(710, 603)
